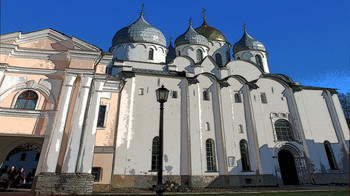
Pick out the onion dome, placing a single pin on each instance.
(171, 53)
(247, 42)
(139, 32)
(191, 37)
(211, 33)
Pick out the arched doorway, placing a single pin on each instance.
(287, 167)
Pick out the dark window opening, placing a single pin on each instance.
(263, 97)
(206, 96)
(259, 61)
(244, 155)
(150, 54)
(101, 116)
(331, 159)
(96, 172)
(174, 94)
(218, 59)
(238, 98)
(199, 55)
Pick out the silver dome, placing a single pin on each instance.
(247, 42)
(139, 32)
(191, 37)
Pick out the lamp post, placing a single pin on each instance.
(162, 96)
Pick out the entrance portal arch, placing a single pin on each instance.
(287, 167)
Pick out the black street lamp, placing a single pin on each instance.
(162, 96)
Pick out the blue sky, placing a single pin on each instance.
(307, 40)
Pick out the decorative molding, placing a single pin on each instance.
(46, 33)
(83, 45)
(23, 113)
(24, 70)
(86, 55)
(80, 71)
(10, 37)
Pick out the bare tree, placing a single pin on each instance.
(345, 103)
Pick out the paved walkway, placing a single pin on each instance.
(209, 191)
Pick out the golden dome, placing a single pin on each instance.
(211, 33)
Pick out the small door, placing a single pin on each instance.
(287, 167)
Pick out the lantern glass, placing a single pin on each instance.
(162, 94)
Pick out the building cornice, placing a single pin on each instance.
(23, 113)
(86, 55)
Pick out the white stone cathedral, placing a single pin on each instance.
(227, 122)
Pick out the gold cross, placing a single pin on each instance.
(203, 12)
(142, 10)
(244, 29)
(190, 20)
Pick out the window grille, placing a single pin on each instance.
(284, 131)
(155, 151)
(211, 161)
(27, 100)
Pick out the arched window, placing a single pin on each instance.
(330, 155)
(259, 61)
(155, 150)
(27, 100)
(210, 149)
(150, 54)
(243, 144)
(237, 98)
(199, 55)
(179, 53)
(218, 59)
(284, 131)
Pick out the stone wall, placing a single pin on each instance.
(63, 184)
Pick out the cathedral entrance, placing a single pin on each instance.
(19, 156)
(287, 167)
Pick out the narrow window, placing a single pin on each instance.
(207, 126)
(284, 131)
(206, 94)
(150, 54)
(23, 156)
(174, 94)
(244, 155)
(155, 150)
(101, 116)
(218, 59)
(259, 61)
(141, 91)
(96, 172)
(238, 58)
(330, 155)
(263, 97)
(37, 156)
(27, 100)
(240, 129)
(179, 53)
(211, 161)
(199, 55)
(237, 98)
